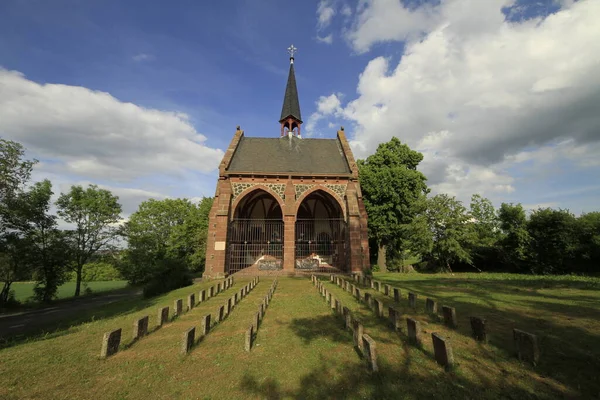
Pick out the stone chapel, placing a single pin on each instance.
(287, 204)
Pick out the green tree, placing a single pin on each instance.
(553, 241)
(516, 240)
(170, 233)
(95, 213)
(15, 172)
(453, 235)
(588, 252)
(393, 191)
(486, 225)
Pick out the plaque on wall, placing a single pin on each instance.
(219, 245)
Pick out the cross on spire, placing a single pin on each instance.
(292, 50)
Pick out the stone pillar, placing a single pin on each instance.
(218, 224)
(289, 228)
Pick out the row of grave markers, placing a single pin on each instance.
(362, 341)
(189, 336)
(112, 340)
(526, 345)
(262, 308)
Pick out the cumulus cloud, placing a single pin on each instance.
(474, 91)
(94, 135)
(326, 106)
(325, 39)
(325, 13)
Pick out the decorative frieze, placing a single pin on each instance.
(302, 188)
(239, 187)
(338, 189)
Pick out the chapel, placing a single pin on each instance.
(285, 204)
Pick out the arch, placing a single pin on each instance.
(315, 188)
(246, 192)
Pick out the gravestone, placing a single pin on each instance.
(203, 295)
(229, 305)
(357, 335)
(450, 316)
(394, 318)
(431, 306)
(332, 304)
(218, 288)
(177, 307)
(235, 298)
(163, 316)
(331, 278)
(372, 283)
(412, 300)
(205, 324)
(368, 299)
(352, 289)
(370, 352)
(211, 292)
(442, 350)
(110, 343)
(256, 320)
(221, 313)
(357, 294)
(414, 331)
(526, 346)
(478, 329)
(378, 307)
(188, 340)
(327, 296)
(378, 286)
(338, 306)
(140, 328)
(261, 311)
(397, 295)
(347, 317)
(191, 301)
(387, 289)
(248, 341)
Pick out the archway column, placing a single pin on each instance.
(289, 228)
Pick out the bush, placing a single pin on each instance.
(173, 275)
(100, 271)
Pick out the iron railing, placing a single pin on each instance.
(255, 241)
(320, 244)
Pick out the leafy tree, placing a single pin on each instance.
(516, 240)
(166, 234)
(48, 250)
(453, 235)
(588, 252)
(393, 192)
(15, 172)
(94, 212)
(553, 240)
(485, 221)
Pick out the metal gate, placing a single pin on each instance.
(321, 245)
(255, 242)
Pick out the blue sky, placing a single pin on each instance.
(143, 96)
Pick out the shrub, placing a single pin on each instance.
(173, 275)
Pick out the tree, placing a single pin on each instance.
(165, 234)
(553, 241)
(588, 230)
(15, 172)
(516, 240)
(94, 212)
(393, 191)
(453, 235)
(486, 225)
(48, 250)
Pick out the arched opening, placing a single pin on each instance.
(320, 234)
(255, 236)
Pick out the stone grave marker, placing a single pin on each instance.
(205, 324)
(140, 328)
(414, 331)
(188, 340)
(110, 343)
(191, 301)
(442, 350)
(256, 320)
(229, 305)
(526, 346)
(221, 313)
(394, 318)
(327, 296)
(211, 292)
(332, 304)
(218, 287)
(357, 335)
(203, 295)
(478, 329)
(397, 295)
(431, 306)
(347, 317)
(412, 300)
(387, 289)
(357, 294)
(248, 341)
(370, 352)
(450, 316)
(378, 307)
(331, 278)
(177, 307)
(163, 316)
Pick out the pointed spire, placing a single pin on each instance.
(290, 112)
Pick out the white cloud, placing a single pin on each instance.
(346, 10)
(325, 13)
(325, 39)
(326, 105)
(142, 57)
(478, 94)
(94, 135)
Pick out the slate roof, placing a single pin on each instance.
(289, 155)
(291, 105)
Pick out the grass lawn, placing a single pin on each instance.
(24, 290)
(302, 350)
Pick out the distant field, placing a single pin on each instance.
(302, 350)
(24, 290)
